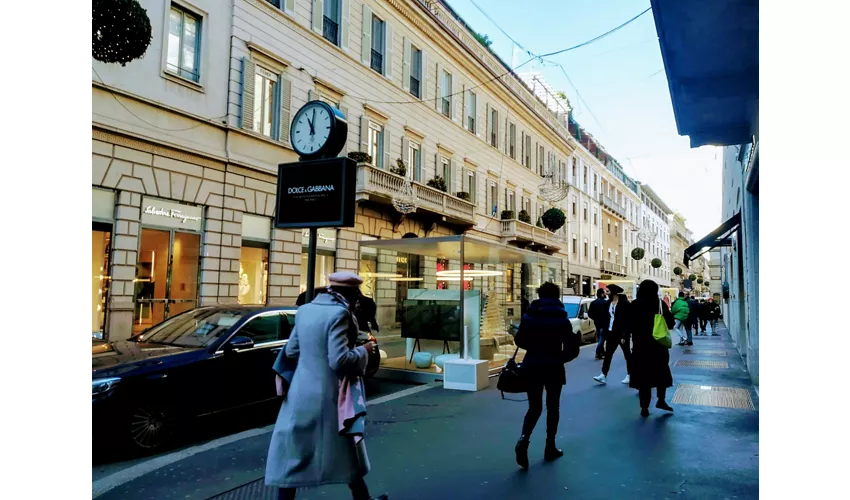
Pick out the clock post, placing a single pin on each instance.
(318, 190)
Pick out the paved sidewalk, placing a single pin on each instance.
(456, 445)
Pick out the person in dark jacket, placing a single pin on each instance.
(691, 325)
(703, 316)
(714, 313)
(617, 333)
(650, 361)
(302, 297)
(600, 316)
(546, 334)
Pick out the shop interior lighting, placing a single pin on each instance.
(474, 273)
(407, 279)
(452, 278)
(382, 275)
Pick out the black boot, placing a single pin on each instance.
(521, 450)
(551, 452)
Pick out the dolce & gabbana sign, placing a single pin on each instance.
(156, 212)
(316, 193)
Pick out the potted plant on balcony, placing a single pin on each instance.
(400, 168)
(692, 277)
(524, 216)
(120, 31)
(438, 183)
(554, 219)
(656, 263)
(360, 157)
(508, 215)
(638, 253)
(463, 195)
(677, 270)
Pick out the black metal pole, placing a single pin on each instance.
(311, 264)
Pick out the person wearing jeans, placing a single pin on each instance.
(601, 318)
(681, 311)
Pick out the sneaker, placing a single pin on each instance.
(681, 342)
(689, 343)
(552, 452)
(601, 378)
(627, 379)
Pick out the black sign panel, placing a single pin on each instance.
(316, 193)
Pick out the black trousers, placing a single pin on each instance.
(535, 408)
(645, 395)
(702, 323)
(359, 491)
(611, 344)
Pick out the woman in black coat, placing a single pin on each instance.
(547, 336)
(650, 361)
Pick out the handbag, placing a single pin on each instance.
(511, 379)
(660, 332)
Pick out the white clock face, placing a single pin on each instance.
(311, 129)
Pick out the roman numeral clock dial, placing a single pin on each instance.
(318, 131)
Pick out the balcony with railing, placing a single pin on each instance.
(378, 185)
(331, 30)
(524, 234)
(612, 205)
(377, 61)
(608, 267)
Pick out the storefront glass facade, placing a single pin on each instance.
(103, 206)
(254, 260)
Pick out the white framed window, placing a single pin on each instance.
(376, 143)
(184, 44)
(447, 172)
(331, 21)
(585, 248)
(596, 251)
(378, 45)
(471, 110)
(493, 199)
(595, 218)
(512, 141)
(446, 90)
(541, 160)
(416, 71)
(609, 255)
(265, 92)
(494, 128)
(470, 185)
(414, 160)
(585, 212)
(509, 200)
(575, 245)
(527, 159)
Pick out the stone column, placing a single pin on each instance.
(347, 251)
(123, 264)
(211, 257)
(285, 267)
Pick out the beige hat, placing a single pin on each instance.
(345, 278)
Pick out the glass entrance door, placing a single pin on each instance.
(166, 276)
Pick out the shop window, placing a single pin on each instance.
(101, 238)
(325, 256)
(254, 260)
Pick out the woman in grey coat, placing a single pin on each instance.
(307, 448)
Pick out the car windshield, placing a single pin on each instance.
(198, 328)
(572, 309)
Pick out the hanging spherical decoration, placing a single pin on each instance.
(638, 253)
(677, 270)
(120, 31)
(554, 219)
(656, 263)
(692, 277)
(700, 280)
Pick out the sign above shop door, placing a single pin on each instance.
(156, 212)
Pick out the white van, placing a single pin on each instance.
(577, 308)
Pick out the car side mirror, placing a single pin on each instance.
(238, 343)
(585, 316)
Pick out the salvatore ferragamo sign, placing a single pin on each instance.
(166, 213)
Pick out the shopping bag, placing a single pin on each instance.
(660, 332)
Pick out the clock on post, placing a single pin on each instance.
(318, 131)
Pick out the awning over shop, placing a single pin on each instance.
(475, 251)
(717, 238)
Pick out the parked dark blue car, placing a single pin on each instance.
(200, 362)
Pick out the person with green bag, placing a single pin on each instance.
(650, 361)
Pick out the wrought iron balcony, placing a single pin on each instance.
(611, 205)
(524, 234)
(331, 31)
(380, 186)
(377, 61)
(607, 266)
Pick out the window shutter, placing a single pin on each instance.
(289, 7)
(247, 93)
(464, 105)
(478, 120)
(405, 64)
(311, 95)
(344, 16)
(487, 118)
(366, 45)
(439, 80)
(507, 134)
(424, 85)
(364, 136)
(454, 100)
(536, 156)
(388, 50)
(522, 148)
(405, 155)
(318, 16)
(450, 185)
(285, 100)
(387, 148)
(344, 151)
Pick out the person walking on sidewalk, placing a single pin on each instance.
(617, 333)
(714, 313)
(703, 316)
(546, 334)
(650, 360)
(681, 311)
(318, 436)
(601, 318)
(693, 317)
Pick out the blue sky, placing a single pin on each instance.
(623, 86)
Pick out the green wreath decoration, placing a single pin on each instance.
(692, 277)
(638, 253)
(120, 31)
(554, 219)
(677, 270)
(656, 263)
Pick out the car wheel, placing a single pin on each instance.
(151, 426)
